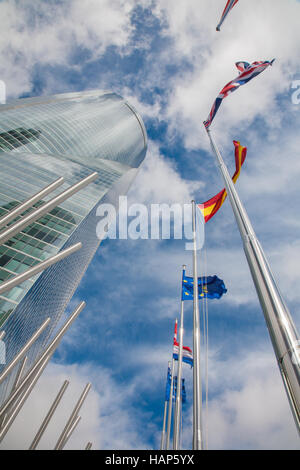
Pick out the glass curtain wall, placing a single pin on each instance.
(41, 139)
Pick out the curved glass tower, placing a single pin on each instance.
(70, 135)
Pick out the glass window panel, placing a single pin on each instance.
(15, 294)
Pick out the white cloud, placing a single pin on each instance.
(45, 33)
(213, 55)
(251, 409)
(247, 408)
(159, 181)
(106, 419)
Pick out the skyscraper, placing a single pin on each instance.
(70, 135)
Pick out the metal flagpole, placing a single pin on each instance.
(170, 403)
(283, 333)
(49, 415)
(197, 390)
(179, 375)
(163, 434)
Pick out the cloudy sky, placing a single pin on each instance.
(167, 59)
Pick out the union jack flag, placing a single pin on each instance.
(246, 73)
(230, 4)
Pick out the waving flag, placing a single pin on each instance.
(187, 354)
(246, 73)
(210, 207)
(210, 287)
(229, 5)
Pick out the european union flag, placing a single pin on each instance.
(168, 385)
(183, 391)
(210, 287)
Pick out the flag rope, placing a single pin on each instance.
(204, 328)
(204, 314)
(181, 421)
(206, 355)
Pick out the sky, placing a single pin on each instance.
(167, 59)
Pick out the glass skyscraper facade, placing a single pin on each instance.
(70, 135)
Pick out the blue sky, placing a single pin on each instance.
(170, 63)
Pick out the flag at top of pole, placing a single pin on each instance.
(211, 207)
(229, 5)
(210, 287)
(246, 73)
(282, 330)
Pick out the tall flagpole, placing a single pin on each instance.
(283, 333)
(197, 391)
(163, 434)
(179, 375)
(170, 402)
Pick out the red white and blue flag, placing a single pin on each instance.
(187, 354)
(246, 73)
(230, 4)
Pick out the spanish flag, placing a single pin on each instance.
(210, 207)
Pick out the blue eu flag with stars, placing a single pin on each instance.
(210, 287)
